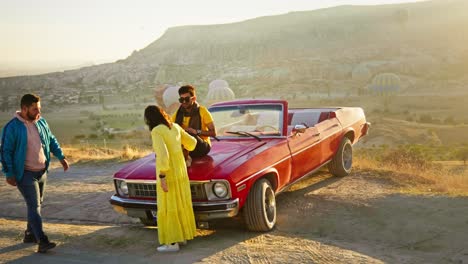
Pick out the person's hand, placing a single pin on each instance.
(164, 184)
(65, 165)
(11, 181)
(191, 130)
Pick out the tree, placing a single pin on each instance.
(101, 98)
(4, 104)
(462, 154)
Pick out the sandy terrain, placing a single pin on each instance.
(357, 219)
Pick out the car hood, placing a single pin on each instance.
(222, 153)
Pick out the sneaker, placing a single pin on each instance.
(45, 245)
(169, 248)
(29, 237)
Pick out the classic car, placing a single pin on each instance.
(262, 147)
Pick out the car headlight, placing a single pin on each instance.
(123, 188)
(220, 189)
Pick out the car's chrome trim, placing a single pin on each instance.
(218, 203)
(137, 181)
(228, 203)
(200, 182)
(154, 181)
(202, 210)
(132, 201)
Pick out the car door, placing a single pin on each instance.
(305, 151)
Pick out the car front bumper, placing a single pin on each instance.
(203, 210)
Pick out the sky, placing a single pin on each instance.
(45, 34)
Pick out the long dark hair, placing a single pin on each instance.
(155, 115)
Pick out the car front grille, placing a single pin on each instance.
(142, 190)
(148, 190)
(198, 191)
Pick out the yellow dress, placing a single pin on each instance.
(176, 221)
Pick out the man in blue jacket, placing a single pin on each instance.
(26, 144)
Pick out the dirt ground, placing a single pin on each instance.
(362, 218)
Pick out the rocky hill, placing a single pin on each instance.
(340, 48)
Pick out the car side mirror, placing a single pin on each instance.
(299, 129)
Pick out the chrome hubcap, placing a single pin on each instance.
(270, 204)
(347, 157)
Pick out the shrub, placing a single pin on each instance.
(412, 157)
(129, 152)
(425, 118)
(450, 120)
(462, 154)
(81, 136)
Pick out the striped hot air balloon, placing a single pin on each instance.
(385, 84)
(219, 94)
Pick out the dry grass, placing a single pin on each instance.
(413, 177)
(97, 154)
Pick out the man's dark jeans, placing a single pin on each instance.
(201, 149)
(32, 188)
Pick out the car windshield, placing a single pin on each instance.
(248, 120)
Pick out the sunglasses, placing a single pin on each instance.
(185, 99)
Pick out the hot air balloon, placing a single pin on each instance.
(385, 84)
(218, 91)
(219, 94)
(171, 99)
(217, 84)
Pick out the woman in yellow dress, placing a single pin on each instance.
(176, 221)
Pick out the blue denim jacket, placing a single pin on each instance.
(14, 145)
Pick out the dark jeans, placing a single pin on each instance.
(201, 149)
(32, 188)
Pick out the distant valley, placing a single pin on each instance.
(333, 56)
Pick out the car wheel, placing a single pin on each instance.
(148, 222)
(342, 162)
(260, 207)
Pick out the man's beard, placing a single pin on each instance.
(32, 117)
(188, 107)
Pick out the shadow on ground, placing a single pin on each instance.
(118, 244)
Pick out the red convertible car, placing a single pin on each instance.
(262, 147)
